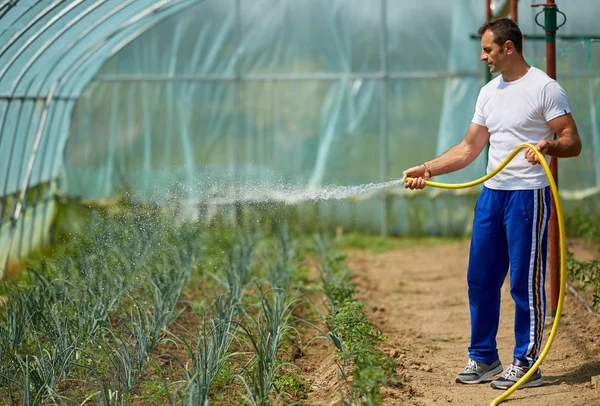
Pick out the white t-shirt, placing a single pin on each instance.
(516, 113)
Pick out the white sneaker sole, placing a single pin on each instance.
(489, 374)
(529, 384)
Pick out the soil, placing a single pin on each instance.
(418, 298)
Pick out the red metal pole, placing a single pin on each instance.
(514, 11)
(553, 228)
(488, 10)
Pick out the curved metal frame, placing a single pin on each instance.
(75, 68)
(31, 60)
(30, 24)
(10, 4)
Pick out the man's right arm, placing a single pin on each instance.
(452, 160)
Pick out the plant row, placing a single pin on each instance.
(362, 365)
(91, 322)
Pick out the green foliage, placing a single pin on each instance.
(290, 383)
(352, 333)
(100, 306)
(209, 351)
(378, 243)
(584, 225)
(57, 317)
(586, 274)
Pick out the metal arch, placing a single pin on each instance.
(121, 44)
(31, 39)
(122, 27)
(70, 46)
(57, 35)
(10, 4)
(165, 4)
(19, 33)
(36, 55)
(83, 34)
(115, 49)
(66, 50)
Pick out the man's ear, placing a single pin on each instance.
(509, 47)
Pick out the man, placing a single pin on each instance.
(521, 105)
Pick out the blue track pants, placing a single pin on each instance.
(509, 230)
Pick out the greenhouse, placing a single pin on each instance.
(185, 177)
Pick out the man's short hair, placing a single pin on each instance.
(504, 29)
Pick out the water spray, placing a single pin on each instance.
(563, 252)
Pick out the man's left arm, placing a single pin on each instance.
(568, 143)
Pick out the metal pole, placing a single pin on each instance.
(488, 17)
(383, 149)
(25, 203)
(514, 11)
(488, 74)
(550, 24)
(237, 129)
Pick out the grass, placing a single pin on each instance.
(378, 243)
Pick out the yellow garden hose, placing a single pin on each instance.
(563, 252)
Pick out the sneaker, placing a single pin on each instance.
(476, 372)
(514, 372)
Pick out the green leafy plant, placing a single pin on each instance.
(351, 332)
(586, 274)
(208, 352)
(270, 327)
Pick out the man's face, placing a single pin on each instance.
(492, 53)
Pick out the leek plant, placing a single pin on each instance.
(143, 334)
(270, 325)
(279, 274)
(210, 348)
(121, 356)
(24, 389)
(238, 271)
(268, 329)
(13, 322)
(166, 284)
(209, 352)
(110, 397)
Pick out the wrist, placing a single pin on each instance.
(545, 147)
(427, 170)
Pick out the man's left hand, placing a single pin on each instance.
(542, 146)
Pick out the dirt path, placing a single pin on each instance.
(418, 298)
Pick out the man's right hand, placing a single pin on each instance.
(419, 175)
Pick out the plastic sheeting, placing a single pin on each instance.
(236, 96)
(107, 96)
(49, 49)
(254, 94)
